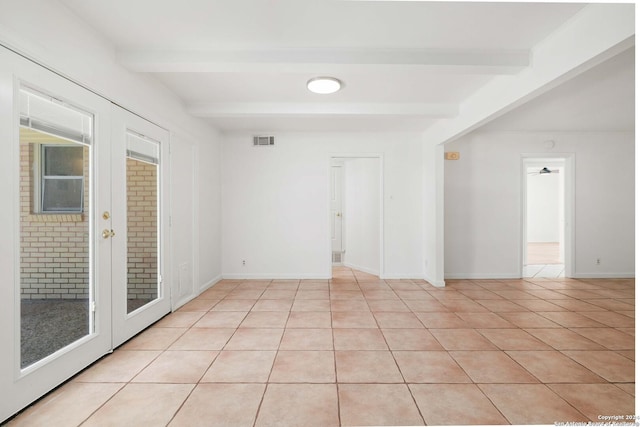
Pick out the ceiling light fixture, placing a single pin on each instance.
(324, 85)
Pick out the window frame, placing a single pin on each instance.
(40, 160)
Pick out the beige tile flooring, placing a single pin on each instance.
(543, 253)
(543, 261)
(361, 351)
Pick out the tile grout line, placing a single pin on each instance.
(183, 402)
(567, 402)
(104, 403)
(335, 366)
(129, 382)
(492, 402)
(201, 376)
(266, 385)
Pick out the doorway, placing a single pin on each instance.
(546, 223)
(356, 213)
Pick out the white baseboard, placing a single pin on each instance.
(363, 269)
(434, 282)
(182, 301)
(392, 276)
(437, 283)
(604, 275)
(482, 276)
(209, 283)
(489, 276)
(262, 276)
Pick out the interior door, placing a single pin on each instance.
(337, 172)
(139, 225)
(55, 180)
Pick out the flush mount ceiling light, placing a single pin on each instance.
(324, 85)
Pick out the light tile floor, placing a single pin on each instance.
(538, 271)
(543, 261)
(357, 350)
(543, 253)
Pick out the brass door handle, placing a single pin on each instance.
(108, 233)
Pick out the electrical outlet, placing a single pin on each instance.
(597, 261)
(244, 263)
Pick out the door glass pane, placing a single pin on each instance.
(142, 221)
(55, 248)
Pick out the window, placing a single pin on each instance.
(62, 185)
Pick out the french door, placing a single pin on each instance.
(138, 225)
(83, 225)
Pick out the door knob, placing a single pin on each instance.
(108, 233)
(338, 214)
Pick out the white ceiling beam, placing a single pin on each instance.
(331, 60)
(255, 109)
(597, 33)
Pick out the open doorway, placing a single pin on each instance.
(347, 275)
(356, 214)
(545, 218)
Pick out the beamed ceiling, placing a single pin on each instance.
(440, 67)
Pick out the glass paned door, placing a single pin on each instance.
(84, 185)
(142, 221)
(55, 180)
(56, 253)
(140, 224)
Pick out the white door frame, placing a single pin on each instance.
(568, 160)
(337, 164)
(332, 158)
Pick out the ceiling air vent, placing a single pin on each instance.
(264, 140)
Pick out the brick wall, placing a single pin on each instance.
(142, 230)
(54, 248)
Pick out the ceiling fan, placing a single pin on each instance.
(545, 170)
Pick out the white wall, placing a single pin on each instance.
(50, 33)
(433, 208)
(275, 203)
(209, 213)
(482, 202)
(543, 206)
(362, 214)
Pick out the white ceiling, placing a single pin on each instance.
(599, 100)
(243, 65)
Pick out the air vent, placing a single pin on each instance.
(264, 140)
(337, 257)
